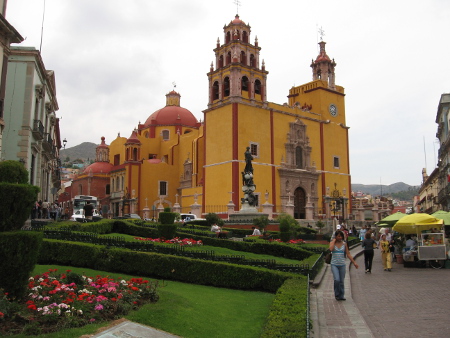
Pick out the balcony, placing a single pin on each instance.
(38, 130)
(48, 144)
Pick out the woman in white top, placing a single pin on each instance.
(339, 250)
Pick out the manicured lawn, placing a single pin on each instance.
(189, 310)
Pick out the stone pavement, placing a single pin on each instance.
(129, 329)
(406, 302)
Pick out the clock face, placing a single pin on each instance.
(333, 110)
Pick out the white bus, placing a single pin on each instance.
(79, 201)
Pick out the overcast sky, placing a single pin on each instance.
(114, 61)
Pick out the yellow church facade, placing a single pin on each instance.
(300, 149)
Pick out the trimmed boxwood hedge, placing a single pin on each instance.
(161, 266)
(18, 251)
(288, 313)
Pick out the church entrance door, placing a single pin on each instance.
(299, 203)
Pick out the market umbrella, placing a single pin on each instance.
(390, 220)
(444, 215)
(416, 223)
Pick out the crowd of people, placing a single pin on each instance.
(48, 210)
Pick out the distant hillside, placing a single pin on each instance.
(84, 151)
(378, 190)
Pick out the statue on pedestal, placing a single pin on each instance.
(247, 180)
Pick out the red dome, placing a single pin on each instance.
(98, 168)
(237, 21)
(172, 115)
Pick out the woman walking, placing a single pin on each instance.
(368, 244)
(385, 253)
(339, 250)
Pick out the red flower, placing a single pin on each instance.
(31, 307)
(2, 315)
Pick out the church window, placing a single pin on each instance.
(228, 37)
(244, 83)
(215, 91)
(226, 87)
(165, 135)
(336, 162)
(252, 61)
(117, 159)
(257, 87)
(162, 188)
(228, 58)
(135, 154)
(245, 37)
(299, 158)
(221, 61)
(243, 58)
(254, 149)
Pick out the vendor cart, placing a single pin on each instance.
(431, 246)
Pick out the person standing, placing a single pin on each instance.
(385, 253)
(339, 250)
(368, 244)
(45, 214)
(362, 233)
(88, 210)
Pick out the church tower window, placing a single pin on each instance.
(226, 87)
(165, 135)
(221, 61)
(245, 37)
(215, 93)
(243, 58)
(258, 87)
(228, 58)
(336, 162)
(244, 83)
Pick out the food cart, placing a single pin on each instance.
(431, 243)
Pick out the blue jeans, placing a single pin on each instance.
(339, 276)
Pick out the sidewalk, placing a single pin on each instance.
(332, 318)
(406, 302)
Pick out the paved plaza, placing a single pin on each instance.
(406, 302)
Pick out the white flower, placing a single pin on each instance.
(31, 278)
(80, 312)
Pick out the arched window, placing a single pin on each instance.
(221, 61)
(226, 87)
(165, 135)
(245, 37)
(135, 154)
(252, 61)
(244, 83)
(258, 87)
(228, 37)
(228, 58)
(215, 91)
(299, 158)
(243, 58)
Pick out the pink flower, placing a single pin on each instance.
(98, 307)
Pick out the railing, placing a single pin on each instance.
(48, 143)
(38, 130)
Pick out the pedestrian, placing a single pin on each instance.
(45, 214)
(339, 250)
(362, 233)
(256, 232)
(88, 210)
(368, 244)
(385, 253)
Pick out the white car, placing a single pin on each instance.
(79, 214)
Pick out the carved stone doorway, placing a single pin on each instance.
(299, 203)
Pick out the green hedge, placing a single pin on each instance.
(161, 266)
(104, 226)
(167, 217)
(18, 251)
(288, 313)
(17, 201)
(128, 228)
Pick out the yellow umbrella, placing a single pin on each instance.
(416, 223)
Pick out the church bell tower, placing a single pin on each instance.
(237, 74)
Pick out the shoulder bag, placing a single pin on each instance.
(328, 258)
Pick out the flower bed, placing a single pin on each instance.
(65, 300)
(176, 240)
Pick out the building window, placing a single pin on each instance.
(258, 87)
(108, 190)
(162, 188)
(299, 158)
(254, 149)
(336, 162)
(117, 159)
(165, 135)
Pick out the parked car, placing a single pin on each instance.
(184, 218)
(79, 214)
(128, 216)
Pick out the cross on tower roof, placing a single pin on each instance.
(237, 3)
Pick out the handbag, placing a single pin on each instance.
(328, 258)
